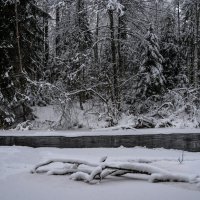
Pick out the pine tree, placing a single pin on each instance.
(151, 79)
(7, 54)
(191, 25)
(169, 49)
(21, 47)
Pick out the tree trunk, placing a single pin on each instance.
(156, 23)
(81, 50)
(96, 50)
(179, 34)
(20, 69)
(46, 42)
(114, 61)
(122, 36)
(21, 80)
(196, 34)
(57, 31)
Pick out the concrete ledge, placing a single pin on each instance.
(187, 142)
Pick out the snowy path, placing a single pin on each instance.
(17, 183)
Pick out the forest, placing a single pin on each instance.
(110, 59)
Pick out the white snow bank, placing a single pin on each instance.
(16, 163)
(108, 131)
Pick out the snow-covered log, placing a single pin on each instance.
(88, 172)
(70, 161)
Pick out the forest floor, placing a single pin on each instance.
(16, 181)
(50, 118)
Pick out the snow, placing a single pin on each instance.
(89, 123)
(49, 116)
(16, 181)
(98, 132)
(94, 117)
(47, 113)
(114, 4)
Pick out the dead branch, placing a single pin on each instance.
(98, 171)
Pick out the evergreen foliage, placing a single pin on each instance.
(151, 76)
(13, 85)
(169, 50)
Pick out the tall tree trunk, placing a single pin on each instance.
(120, 62)
(80, 46)
(156, 23)
(114, 61)
(122, 36)
(196, 34)
(58, 31)
(46, 36)
(20, 69)
(179, 33)
(21, 80)
(96, 49)
(46, 42)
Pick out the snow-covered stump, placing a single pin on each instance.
(82, 170)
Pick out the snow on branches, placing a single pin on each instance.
(115, 5)
(5, 2)
(91, 172)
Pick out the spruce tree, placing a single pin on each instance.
(169, 49)
(191, 25)
(151, 80)
(21, 47)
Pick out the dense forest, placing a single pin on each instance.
(111, 58)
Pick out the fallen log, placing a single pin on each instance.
(90, 172)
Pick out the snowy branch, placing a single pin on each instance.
(115, 5)
(102, 169)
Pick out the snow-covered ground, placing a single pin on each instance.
(104, 131)
(17, 183)
(49, 117)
